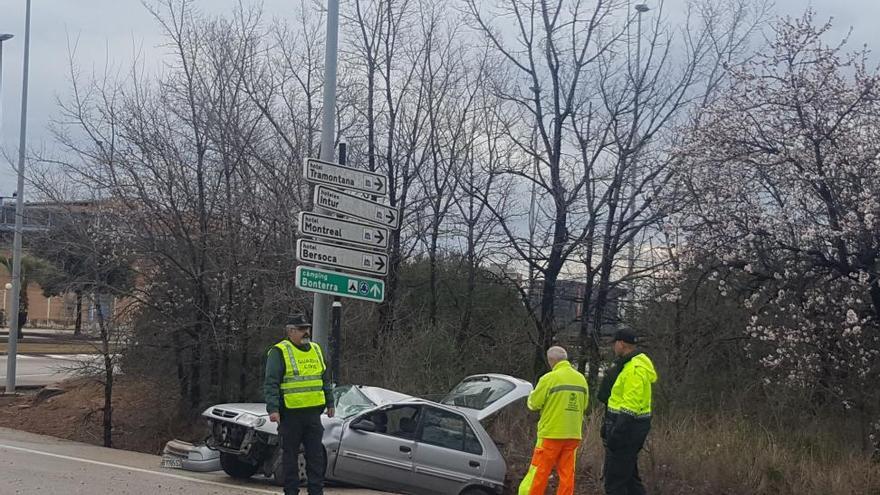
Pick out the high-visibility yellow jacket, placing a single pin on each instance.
(631, 393)
(562, 396)
(302, 385)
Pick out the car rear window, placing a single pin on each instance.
(478, 392)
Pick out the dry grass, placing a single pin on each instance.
(717, 455)
(729, 455)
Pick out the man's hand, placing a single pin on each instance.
(275, 417)
(331, 411)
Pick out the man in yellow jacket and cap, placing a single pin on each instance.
(562, 396)
(626, 391)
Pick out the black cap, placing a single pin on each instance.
(626, 335)
(298, 320)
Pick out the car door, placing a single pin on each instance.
(448, 455)
(376, 449)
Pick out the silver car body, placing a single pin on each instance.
(400, 443)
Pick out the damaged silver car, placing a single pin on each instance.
(385, 440)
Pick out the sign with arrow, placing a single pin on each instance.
(346, 258)
(354, 179)
(315, 225)
(357, 207)
(340, 284)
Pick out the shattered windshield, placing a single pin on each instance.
(478, 392)
(350, 401)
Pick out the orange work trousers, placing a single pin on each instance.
(549, 454)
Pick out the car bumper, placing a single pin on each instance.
(190, 457)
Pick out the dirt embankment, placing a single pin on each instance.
(144, 414)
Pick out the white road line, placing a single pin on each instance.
(72, 357)
(138, 470)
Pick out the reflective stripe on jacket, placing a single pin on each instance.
(562, 396)
(631, 393)
(302, 385)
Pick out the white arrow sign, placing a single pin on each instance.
(338, 175)
(346, 258)
(355, 206)
(315, 225)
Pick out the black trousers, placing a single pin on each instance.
(302, 428)
(622, 460)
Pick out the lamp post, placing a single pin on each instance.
(12, 346)
(3, 37)
(640, 9)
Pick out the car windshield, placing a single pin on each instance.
(350, 401)
(478, 392)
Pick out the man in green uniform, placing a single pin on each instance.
(297, 389)
(626, 389)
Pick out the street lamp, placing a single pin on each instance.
(640, 9)
(14, 330)
(3, 37)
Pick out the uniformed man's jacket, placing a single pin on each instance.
(631, 393)
(562, 396)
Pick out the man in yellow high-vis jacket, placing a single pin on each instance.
(297, 389)
(562, 396)
(626, 389)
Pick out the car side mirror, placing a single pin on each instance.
(363, 425)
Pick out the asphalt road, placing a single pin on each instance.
(36, 464)
(40, 370)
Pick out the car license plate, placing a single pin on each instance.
(172, 462)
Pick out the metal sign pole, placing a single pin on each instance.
(321, 305)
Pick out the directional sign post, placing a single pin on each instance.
(357, 207)
(354, 179)
(335, 229)
(342, 257)
(340, 284)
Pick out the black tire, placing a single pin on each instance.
(234, 467)
(278, 475)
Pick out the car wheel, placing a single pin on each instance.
(235, 467)
(278, 475)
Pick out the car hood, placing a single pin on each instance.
(231, 410)
(484, 395)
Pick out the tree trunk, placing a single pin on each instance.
(386, 308)
(432, 262)
(77, 326)
(464, 328)
(195, 371)
(182, 375)
(108, 374)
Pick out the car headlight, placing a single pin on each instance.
(250, 420)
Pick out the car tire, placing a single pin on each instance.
(236, 468)
(278, 475)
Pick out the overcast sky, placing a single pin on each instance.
(122, 27)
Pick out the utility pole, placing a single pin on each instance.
(12, 345)
(321, 304)
(634, 175)
(336, 313)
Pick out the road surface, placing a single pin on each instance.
(35, 464)
(41, 370)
